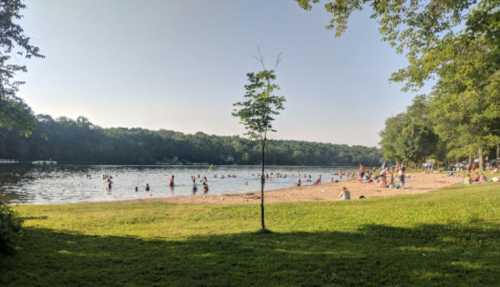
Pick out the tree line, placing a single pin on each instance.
(414, 137)
(79, 141)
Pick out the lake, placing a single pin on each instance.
(77, 183)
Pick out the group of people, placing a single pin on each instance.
(309, 179)
(222, 176)
(204, 183)
(386, 177)
(108, 183)
(337, 177)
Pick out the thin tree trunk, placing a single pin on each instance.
(481, 159)
(469, 166)
(498, 154)
(262, 182)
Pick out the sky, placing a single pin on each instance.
(181, 64)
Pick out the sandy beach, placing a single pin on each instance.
(416, 183)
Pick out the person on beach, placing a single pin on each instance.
(136, 189)
(402, 176)
(361, 172)
(345, 194)
(318, 181)
(391, 177)
(299, 182)
(172, 182)
(147, 187)
(468, 179)
(383, 177)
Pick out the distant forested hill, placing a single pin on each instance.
(79, 141)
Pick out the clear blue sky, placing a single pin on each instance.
(180, 65)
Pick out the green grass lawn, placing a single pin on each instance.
(446, 238)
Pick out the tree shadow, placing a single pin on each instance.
(376, 255)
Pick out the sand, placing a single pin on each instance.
(416, 183)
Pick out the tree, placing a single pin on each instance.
(257, 113)
(16, 115)
(409, 136)
(13, 41)
(389, 138)
(454, 43)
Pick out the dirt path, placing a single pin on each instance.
(417, 183)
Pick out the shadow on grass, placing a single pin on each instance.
(376, 255)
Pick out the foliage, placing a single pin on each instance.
(10, 225)
(79, 141)
(16, 115)
(444, 238)
(454, 43)
(411, 25)
(409, 136)
(465, 104)
(13, 41)
(261, 105)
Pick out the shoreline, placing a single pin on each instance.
(417, 183)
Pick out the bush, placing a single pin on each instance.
(10, 226)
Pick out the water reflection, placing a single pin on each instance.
(75, 183)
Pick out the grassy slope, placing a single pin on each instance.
(445, 238)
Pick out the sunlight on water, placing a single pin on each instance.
(76, 183)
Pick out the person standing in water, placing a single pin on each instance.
(172, 182)
(147, 187)
(205, 187)
(195, 185)
(110, 183)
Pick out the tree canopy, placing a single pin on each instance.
(13, 41)
(260, 106)
(455, 46)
